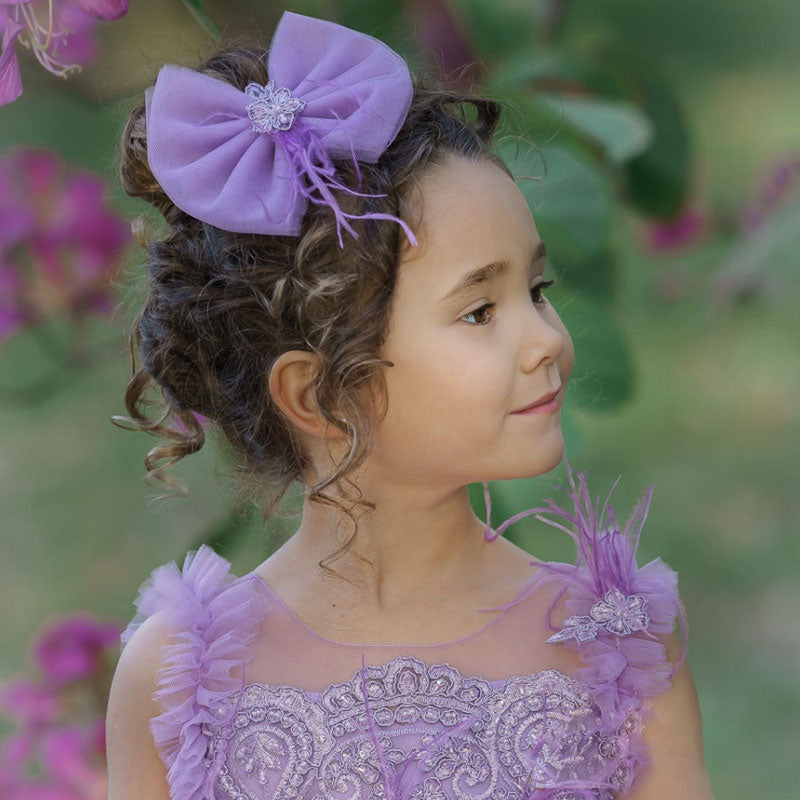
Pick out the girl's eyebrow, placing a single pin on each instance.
(487, 273)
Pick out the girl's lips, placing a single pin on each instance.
(542, 408)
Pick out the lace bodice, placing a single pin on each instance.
(284, 743)
(256, 706)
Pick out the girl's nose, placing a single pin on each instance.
(543, 342)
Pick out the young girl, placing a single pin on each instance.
(387, 345)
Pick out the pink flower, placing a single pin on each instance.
(30, 703)
(77, 46)
(16, 748)
(17, 218)
(72, 649)
(68, 757)
(680, 231)
(56, 31)
(30, 790)
(10, 80)
(59, 241)
(102, 9)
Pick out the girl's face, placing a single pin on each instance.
(461, 368)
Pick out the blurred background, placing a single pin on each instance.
(666, 136)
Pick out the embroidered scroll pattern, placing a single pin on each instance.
(530, 732)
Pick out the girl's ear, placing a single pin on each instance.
(291, 385)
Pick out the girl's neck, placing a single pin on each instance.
(413, 551)
(343, 612)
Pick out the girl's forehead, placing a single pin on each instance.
(469, 213)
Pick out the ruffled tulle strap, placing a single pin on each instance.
(614, 611)
(213, 615)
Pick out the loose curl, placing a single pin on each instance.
(221, 307)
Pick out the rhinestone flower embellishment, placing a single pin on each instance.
(272, 110)
(616, 613)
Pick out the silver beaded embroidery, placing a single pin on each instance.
(616, 613)
(287, 745)
(272, 110)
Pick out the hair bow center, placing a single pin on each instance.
(272, 110)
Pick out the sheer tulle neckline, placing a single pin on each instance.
(521, 594)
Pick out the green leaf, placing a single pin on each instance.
(602, 376)
(570, 198)
(386, 21)
(546, 68)
(496, 34)
(596, 278)
(620, 128)
(198, 12)
(93, 129)
(657, 179)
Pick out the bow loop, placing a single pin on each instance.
(350, 81)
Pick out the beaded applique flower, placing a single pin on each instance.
(272, 110)
(616, 613)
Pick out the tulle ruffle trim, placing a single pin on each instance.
(206, 606)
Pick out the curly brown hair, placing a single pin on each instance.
(221, 307)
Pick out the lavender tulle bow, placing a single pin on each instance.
(241, 160)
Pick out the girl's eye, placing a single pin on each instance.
(535, 294)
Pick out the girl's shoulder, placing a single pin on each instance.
(617, 617)
(205, 628)
(613, 619)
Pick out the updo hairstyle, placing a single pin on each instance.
(220, 307)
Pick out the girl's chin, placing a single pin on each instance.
(532, 468)
(548, 452)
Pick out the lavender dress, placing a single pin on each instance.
(258, 706)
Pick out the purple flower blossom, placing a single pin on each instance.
(102, 9)
(10, 80)
(72, 766)
(67, 756)
(67, 751)
(59, 242)
(682, 230)
(71, 650)
(56, 32)
(30, 703)
(77, 46)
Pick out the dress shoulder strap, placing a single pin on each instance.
(211, 616)
(614, 610)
